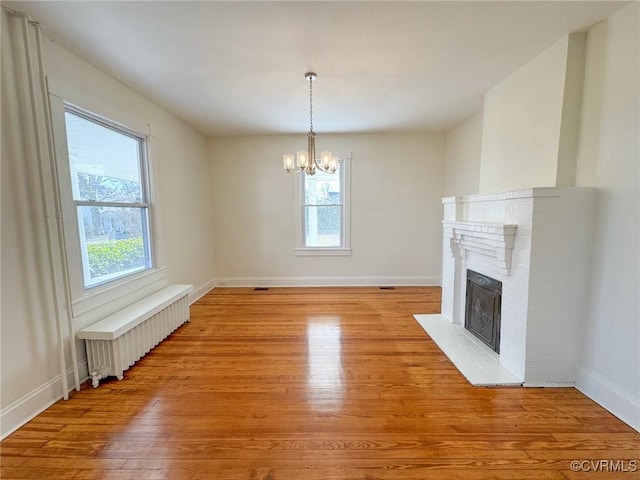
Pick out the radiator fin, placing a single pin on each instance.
(113, 357)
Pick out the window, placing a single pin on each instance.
(324, 213)
(108, 170)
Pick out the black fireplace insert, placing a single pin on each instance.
(482, 313)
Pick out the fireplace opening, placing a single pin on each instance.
(482, 313)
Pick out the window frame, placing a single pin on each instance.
(85, 300)
(144, 205)
(345, 228)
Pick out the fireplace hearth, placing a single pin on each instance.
(482, 312)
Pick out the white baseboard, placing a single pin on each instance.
(609, 396)
(16, 414)
(548, 385)
(326, 281)
(201, 291)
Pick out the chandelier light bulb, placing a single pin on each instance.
(325, 159)
(333, 164)
(288, 162)
(303, 159)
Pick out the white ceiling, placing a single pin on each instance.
(231, 68)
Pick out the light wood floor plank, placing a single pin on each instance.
(317, 384)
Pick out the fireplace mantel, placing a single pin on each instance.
(493, 240)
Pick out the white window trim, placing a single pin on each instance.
(145, 203)
(345, 249)
(86, 299)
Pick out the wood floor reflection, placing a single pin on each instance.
(311, 384)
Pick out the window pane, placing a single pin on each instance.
(322, 226)
(113, 242)
(104, 163)
(322, 189)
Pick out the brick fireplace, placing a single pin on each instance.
(536, 244)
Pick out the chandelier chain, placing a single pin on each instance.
(310, 104)
(307, 161)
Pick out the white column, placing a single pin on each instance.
(452, 212)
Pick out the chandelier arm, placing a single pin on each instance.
(326, 170)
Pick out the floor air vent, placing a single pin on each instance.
(260, 288)
(387, 288)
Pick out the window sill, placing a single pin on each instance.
(323, 252)
(115, 290)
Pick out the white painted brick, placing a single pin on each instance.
(543, 297)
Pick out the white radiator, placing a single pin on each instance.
(121, 339)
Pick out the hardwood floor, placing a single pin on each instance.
(325, 383)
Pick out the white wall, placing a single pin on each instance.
(28, 337)
(571, 110)
(608, 159)
(181, 165)
(462, 157)
(524, 116)
(396, 185)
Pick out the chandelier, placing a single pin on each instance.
(306, 160)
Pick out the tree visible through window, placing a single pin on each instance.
(108, 180)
